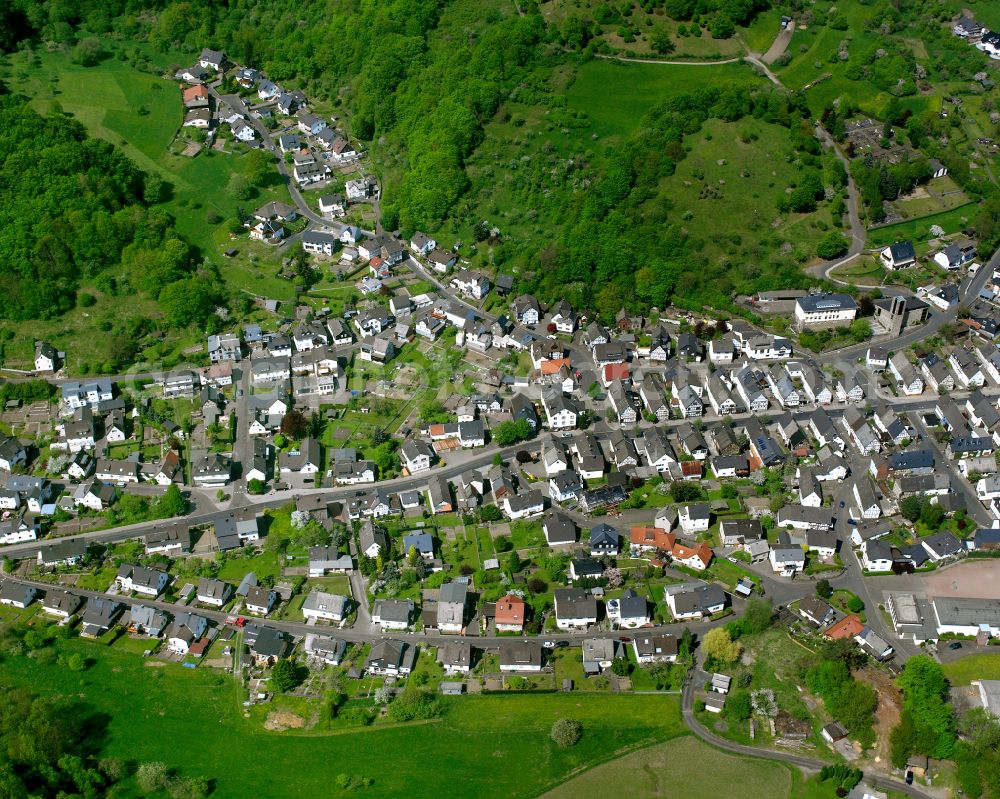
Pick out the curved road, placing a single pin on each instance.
(802, 761)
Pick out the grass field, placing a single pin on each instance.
(973, 667)
(655, 772)
(190, 719)
(643, 86)
(725, 177)
(862, 271)
(919, 229)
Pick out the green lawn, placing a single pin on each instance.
(973, 667)
(919, 229)
(640, 87)
(657, 772)
(190, 719)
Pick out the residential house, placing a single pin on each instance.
(655, 648)
(372, 539)
(510, 614)
(259, 600)
(17, 595)
(604, 540)
(99, 616)
(451, 606)
(898, 256)
(694, 518)
(521, 655)
(697, 557)
(559, 529)
(694, 600)
(391, 658)
(787, 560)
(141, 580)
(392, 614)
(574, 608)
(213, 592)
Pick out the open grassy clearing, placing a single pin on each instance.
(639, 88)
(736, 171)
(141, 113)
(654, 772)
(862, 271)
(973, 667)
(920, 229)
(190, 719)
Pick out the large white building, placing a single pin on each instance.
(817, 311)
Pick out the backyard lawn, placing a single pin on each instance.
(479, 748)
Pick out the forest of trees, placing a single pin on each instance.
(454, 70)
(75, 209)
(621, 243)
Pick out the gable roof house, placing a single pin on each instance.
(787, 560)
(653, 393)
(621, 403)
(720, 398)
(141, 580)
(694, 600)
(510, 614)
(604, 540)
(99, 616)
(906, 377)
(898, 256)
(521, 655)
(61, 604)
(392, 614)
(559, 529)
(697, 557)
(815, 610)
(655, 649)
(574, 608)
(17, 595)
(659, 454)
(451, 607)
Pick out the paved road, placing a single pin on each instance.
(367, 632)
(968, 291)
(473, 459)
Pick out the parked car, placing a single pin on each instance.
(955, 645)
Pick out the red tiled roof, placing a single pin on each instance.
(702, 551)
(652, 537)
(553, 365)
(510, 610)
(847, 627)
(616, 371)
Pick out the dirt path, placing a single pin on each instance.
(671, 63)
(779, 45)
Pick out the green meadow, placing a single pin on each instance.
(483, 746)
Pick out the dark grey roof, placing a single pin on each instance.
(902, 251)
(814, 303)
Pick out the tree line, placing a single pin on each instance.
(75, 210)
